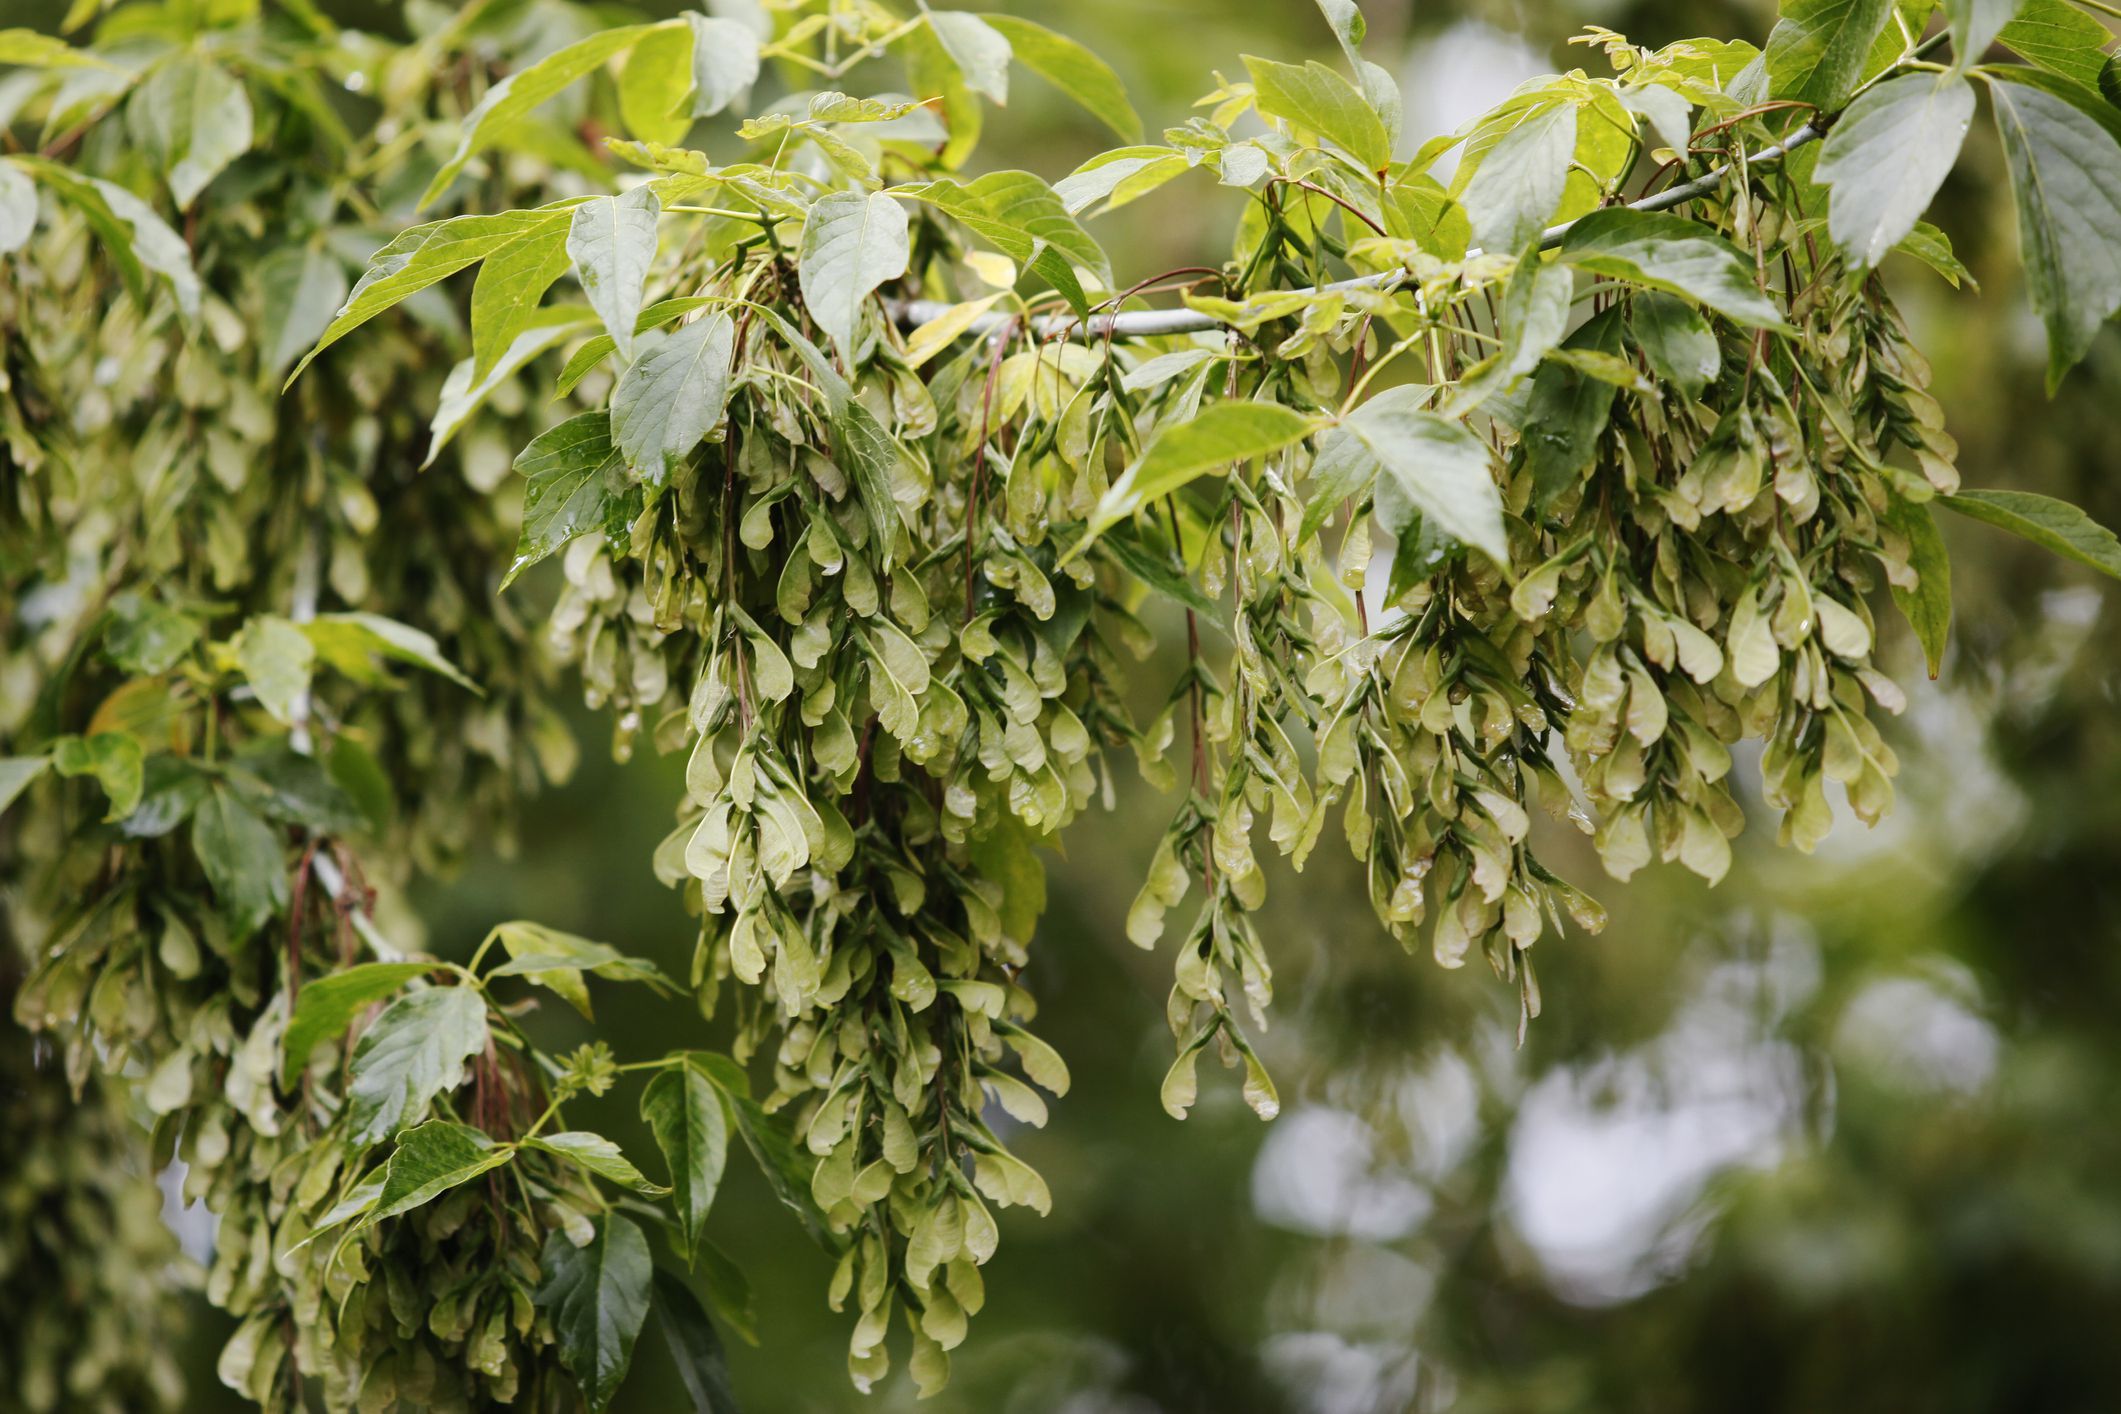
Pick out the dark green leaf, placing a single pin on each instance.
(1431, 466)
(684, 1112)
(1681, 348)
(1569, 409)
(146, 637)
(1819, 50)
(2065, 163)
(299, 290)
(599, 1156)
(1665, 252)
(1223, 433)
(1928, 606)
(597, 1297)
(16, 773)
(694, 1347)
(2055, 525)
(578, 483)
(242, 857)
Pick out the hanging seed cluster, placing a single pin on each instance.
(1539, 491)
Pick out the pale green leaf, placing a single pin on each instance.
(1432, 466)
(1886, 157)
(18, 207)
(612, 242)
(1072, 69)
(1518, 185)
(115, 759)
(654, 84)
(16, 773)
(725, 63)
(357, 643)
(431, 1159)
(1223, 434)
(1016, 213)
(1975, 25)
(672, 395)
(852, 243)
(2060, 38)
(462, 395)
(276, 658)
(42, 51)
(194, 118)
(1376, 83)
(516, 96)
(299, 290)
(412, 1052)
(242, 857)
(1315, 98)
(978, 49)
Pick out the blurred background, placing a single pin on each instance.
(1837, 1135)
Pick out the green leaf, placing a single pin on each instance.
(154, 244)
(852, 243)
(1818, 51)
(416, 259)
(1518, 185)
(326, 1007)
(276, 658)
(413, 1052)
(694, 1347)
(547, 957)
(577, 484)
(516, 96)
(85, 195)
(1975, 24)
(146, 637)
(2058, 37)
(193, 118)
(354, 644)
(16, 773)
(1432, 466)
(2065, 166)
(1569, 409)
(1072, 69)
(299, 289)
(1223, 433)
(1886, 157)
(671, 396)
(1151, 561)
(115, 759)
(1661, 251)
(1316, 98)
(42, 51)
(597, 1297)
(599, 1156)
(1378, 86)
(1933, 248)
(18, 208)
(511, 284)
(462, 395)
(431, 1159)
(1016, 213)
(2047, 522)
(725, 63)
(787, 1169)
(654, 83)
(612, 242)
(684, 1112)
(242, 857)
(859, 442)
(978, 49)
(1677, 341)
(1928, 606)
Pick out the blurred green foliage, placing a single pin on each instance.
(1833, 1136)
